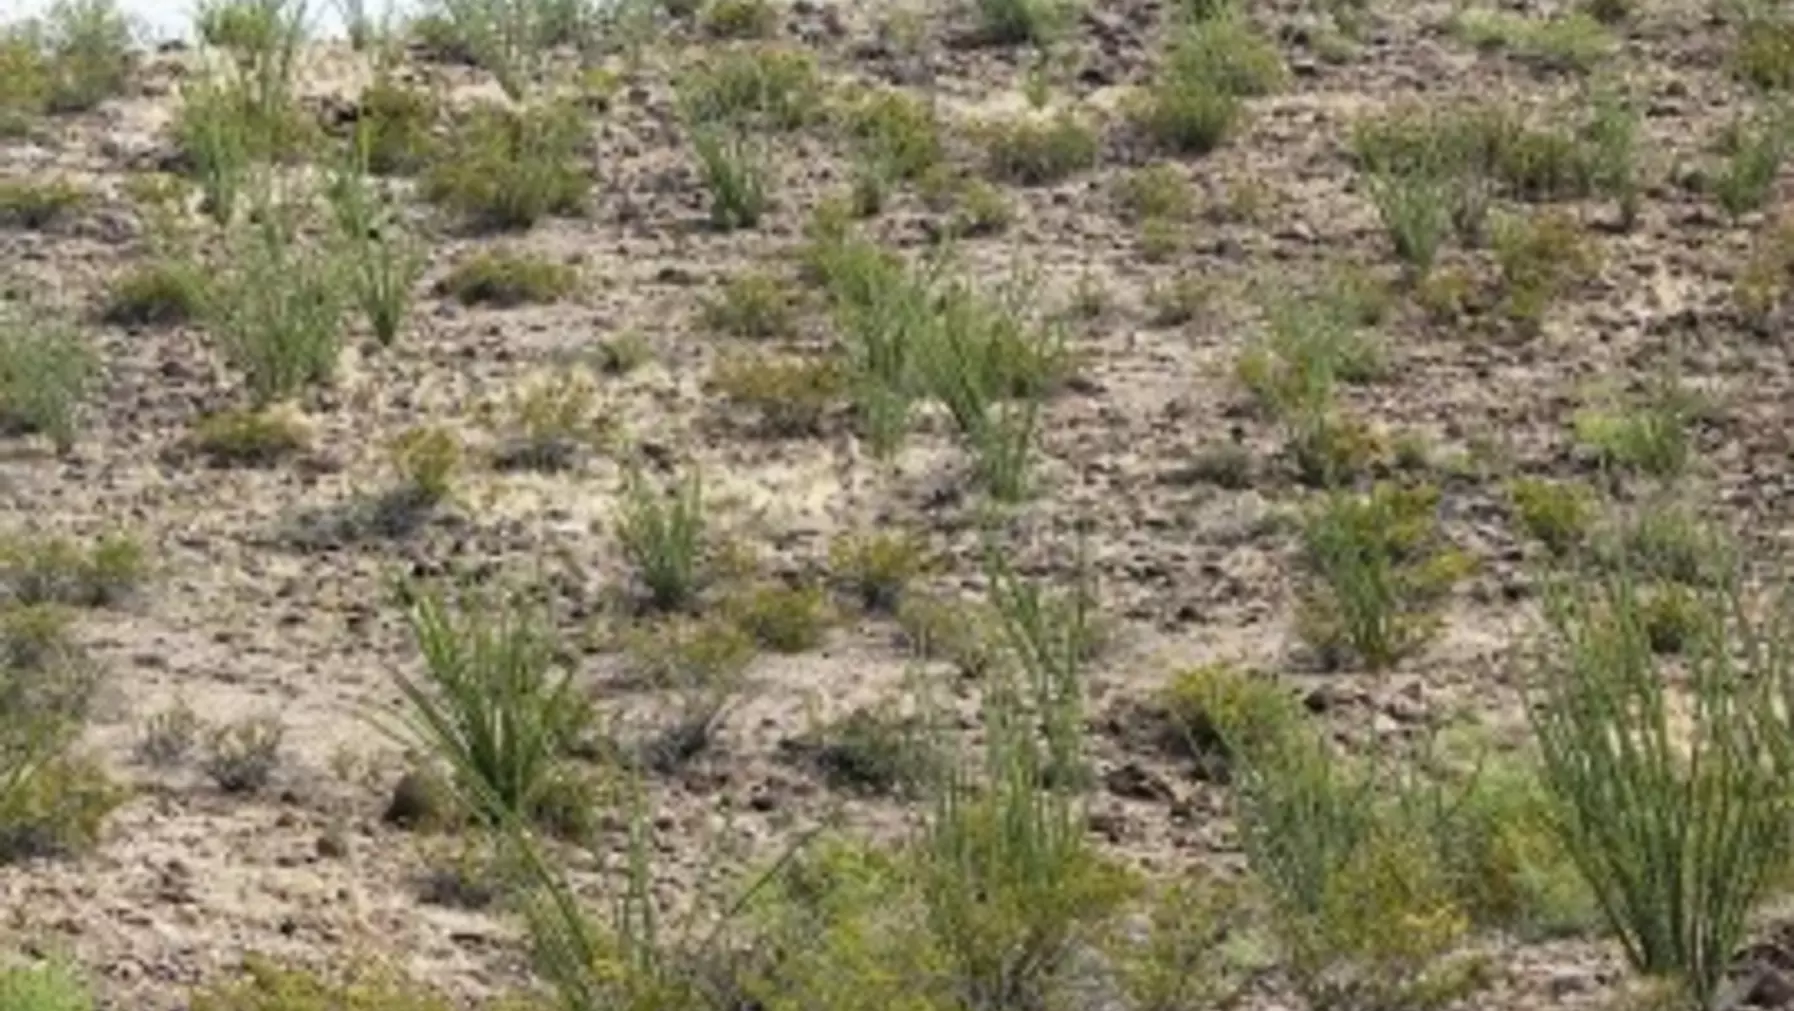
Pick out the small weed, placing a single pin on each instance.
(1575, 42)
(1310, 344)
(277, 308)
(741, 19)
(393, 126)
(1665, 543)
(381, 261)
(1332, 447)
(981, 210)
(1650, 436)
(426, 459)
(662, 535)
(241, 757)
(1160, 241)
(1194, 102)
(53, 570)
(168, 736)
(1765, 49)
(791, 395)
(1762, 287)
(1541, 259)
(1181, 301)
(622, 354)
(784, 619)
(506, 169)
(549, 421)
(1554, 513)
(507, 279)
(735, 170)
(1156, 191)
(55, 808)
(89, 49)
(875, 752)
(1608, 12)
(1378, 568)
(751, 88)
(1023, 22)
(1040, 152)
(267, 986)
(161, 293)
(246, 438)
(46, 371)
(876, 568)
(1754, 150)
(754, 306)
(51, 986)
(897, 132)
(1416, 212)
(1222, 463)
(960, 633)
(1206, 705)
(38, 205)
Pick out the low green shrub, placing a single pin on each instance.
(506, 169)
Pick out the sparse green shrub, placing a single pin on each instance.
(241, 756)
(276, 308)
(1022, 22)
(393, 127)
(54, 805)
(1311, 343)
(1195, 948)
(1665, 541)
(380, 260)
(51, 986)
(159, 293)
(741, 19)
(34, 204)
(1155, 192)
(41, 570)
(168, 736)
(1204, 705)
(662, 535)
(426, 459)
(550, 420)
(513, 41)
(1541, 258)
(792, 396)
(1556, 514)
(1461, 145)
(784, 619)
(958, 632)
(1650, 435)
(1574, 42)
(1179, 301)
(1762, 287)
(46, 371)
(1765, 49)
(24, 81)
(980, 210)
(238, 437)
(876, 568)
(751, 87)
(89, 52)
(755, 306)
(1195, 100)
(1678, 822)
(491, 703)
(507, 279)
(1612, 134)
(622, 354)
(1754, 150)
(735, 170)
(267, 986)
(1416, 212)
(506, 169)
(1039, 152)
(896, 131)
(875, 751)
(702, 662)
(1377, 568)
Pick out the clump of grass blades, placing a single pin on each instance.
(506, 169)
(1018, 22)
(512, 41)
(382, 262)
(1378, 568)
(1032, 152)
(1754, 150)
(1195, 100)
(1678, 822)
(507, 279)
(663, 538)
(751, 87)
(80, 53)
(46, 370)
(276, 310)
(33, 204)
(735, 170)
(491, 704)
(160, 293)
